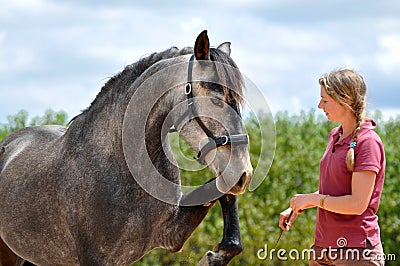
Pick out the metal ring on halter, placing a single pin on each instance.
(188, 88)
(214, 142)
(226, 139)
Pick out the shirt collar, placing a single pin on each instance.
(367, 125)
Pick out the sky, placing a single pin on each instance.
(58, 54)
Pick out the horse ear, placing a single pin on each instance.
(202, 47)
(225, 47)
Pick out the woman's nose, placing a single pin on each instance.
(320, 105)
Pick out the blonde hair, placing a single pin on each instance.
(348, 88)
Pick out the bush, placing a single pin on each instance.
(20, 120)
(300, 143)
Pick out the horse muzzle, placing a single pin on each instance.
(229, 186)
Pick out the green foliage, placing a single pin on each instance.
(50, 117)
(389, 208)
(20, 120)
(300, 143)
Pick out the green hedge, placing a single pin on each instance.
(300, 143)
(21, 119)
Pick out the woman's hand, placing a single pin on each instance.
(284, 224)
(300, 202)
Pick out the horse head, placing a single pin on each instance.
(106, 176)
(210, 119)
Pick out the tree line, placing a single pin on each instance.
(300, 143)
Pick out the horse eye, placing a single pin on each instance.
(217, 102)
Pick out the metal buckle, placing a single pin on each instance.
(188, 88)
(226, 140)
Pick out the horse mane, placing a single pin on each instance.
(119, 83)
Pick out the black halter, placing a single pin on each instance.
(214, 142)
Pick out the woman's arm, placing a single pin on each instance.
(362, 185)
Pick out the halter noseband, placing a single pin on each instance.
(214, 142)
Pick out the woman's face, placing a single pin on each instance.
(335, 111)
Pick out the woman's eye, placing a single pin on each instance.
(217, 102)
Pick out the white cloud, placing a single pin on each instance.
(388, 59)
(192, 23)
(283, 49)
(390, 113)
(13, 6)
(19, 9)
(17, 59)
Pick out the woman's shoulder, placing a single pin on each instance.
(367, 131)
(368, 140)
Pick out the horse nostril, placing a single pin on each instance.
(241, 180)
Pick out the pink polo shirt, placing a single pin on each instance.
(335, 180)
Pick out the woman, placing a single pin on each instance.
(352, 171)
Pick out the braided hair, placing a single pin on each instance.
(347, 87)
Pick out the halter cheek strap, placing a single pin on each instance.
(191, 113)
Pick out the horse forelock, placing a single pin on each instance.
(229, 74)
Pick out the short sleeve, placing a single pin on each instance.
(369, 153)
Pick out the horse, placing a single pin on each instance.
(85, 195)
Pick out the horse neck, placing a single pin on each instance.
(100, 130)
(97, 135)
(155, 130)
